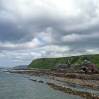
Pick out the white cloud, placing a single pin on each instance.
(47, 35)
(79, 37)
(35, 55)
(7, 44)
(54, 48)
(93, 51)
(54, 54)
(71, 38)
(55, 9)
(25, 7)
(27, 45)
(33, 43)
(43, 53)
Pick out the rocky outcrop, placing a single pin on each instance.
(86, 66)
(34, 80)
(85, 95)
(62, 66)
(40, 81)
(89, 66)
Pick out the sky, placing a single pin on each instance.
(31, 29)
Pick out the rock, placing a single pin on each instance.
(77, 67)
(33, 80)
(85, 95)
(89, 67)
(86, 66)
(60, 66)
(40, 81)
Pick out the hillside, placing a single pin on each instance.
(48, 63)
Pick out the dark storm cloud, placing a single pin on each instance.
(10, 32)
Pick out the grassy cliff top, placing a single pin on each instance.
(49, 63)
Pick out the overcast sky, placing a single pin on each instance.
(31, 29)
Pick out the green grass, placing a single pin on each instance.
(48, 63)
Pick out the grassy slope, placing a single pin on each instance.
(49, 63)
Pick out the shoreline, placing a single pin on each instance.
(90, 81)
(77, 79)
(85, 95)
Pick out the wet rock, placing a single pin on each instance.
(85, 95)
(33, 80)
(40, 81)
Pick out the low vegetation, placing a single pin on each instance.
(49, 63)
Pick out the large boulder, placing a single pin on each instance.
(89, 66)
(86, 66)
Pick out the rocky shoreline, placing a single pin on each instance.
(71, 78)
(77, 79)
(85, 95)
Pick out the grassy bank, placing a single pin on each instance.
(49, 63)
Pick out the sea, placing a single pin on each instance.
(19, 86)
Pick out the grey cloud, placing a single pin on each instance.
(42, 21)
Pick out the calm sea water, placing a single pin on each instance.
(15, 86)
